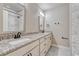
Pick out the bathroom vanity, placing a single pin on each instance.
(29, 45)
(18, 18)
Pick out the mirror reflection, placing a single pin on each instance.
(12, 17)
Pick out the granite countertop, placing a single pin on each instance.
(6, 47)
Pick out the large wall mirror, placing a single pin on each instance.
(12, 17)
(42, 21)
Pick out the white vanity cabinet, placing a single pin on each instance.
(33, 52)
(45, 44)
(39, 47)
(24, 50)
(48, 42)
(42, 46)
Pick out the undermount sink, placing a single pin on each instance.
(18, 41)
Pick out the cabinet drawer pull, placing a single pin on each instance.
(30, 54)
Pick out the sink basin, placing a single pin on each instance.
(18, 41)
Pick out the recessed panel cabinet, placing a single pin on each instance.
(45, 44)
(33, 52)
(48, 43)
(24, 50)
(39, 47)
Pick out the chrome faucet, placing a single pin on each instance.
(18, 35)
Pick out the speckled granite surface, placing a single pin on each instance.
(6, 48)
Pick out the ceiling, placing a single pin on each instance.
(48, 6)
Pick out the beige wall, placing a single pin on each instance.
(61, 15)
(32, 13)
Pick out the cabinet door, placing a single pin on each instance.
(43, 47)
(43, 53)
(48, 43)
(33, 52)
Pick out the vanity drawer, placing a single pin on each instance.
(43, 53)
(24, 49)
(42, 46)
(42, 40)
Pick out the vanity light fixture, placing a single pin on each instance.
(41, 13)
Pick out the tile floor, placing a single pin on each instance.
(59, 51)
